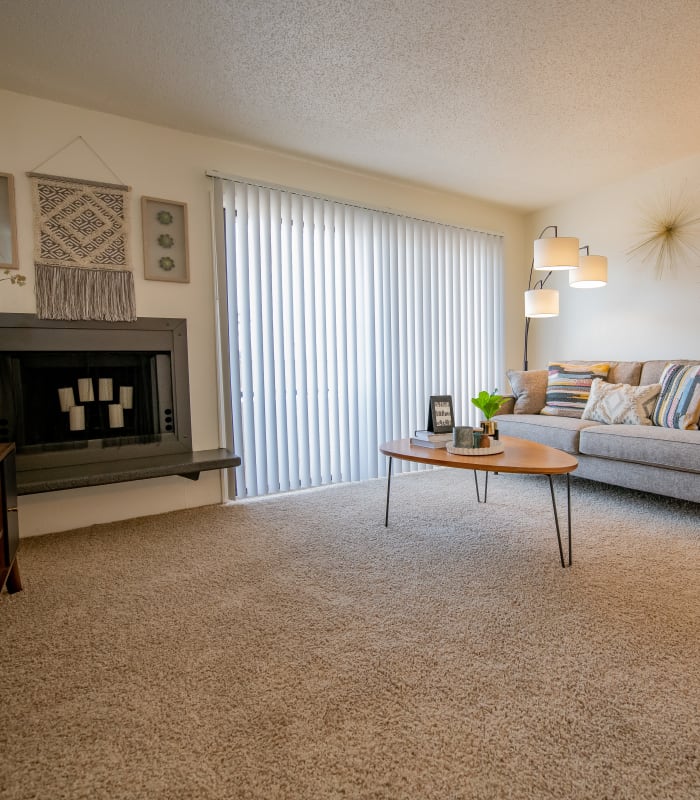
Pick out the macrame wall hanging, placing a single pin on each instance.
(81, 249)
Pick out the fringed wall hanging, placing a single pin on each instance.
(81, 249)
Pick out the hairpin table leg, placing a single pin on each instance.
(388, 489)
(568, 510)
(486, 487)
(556, 518)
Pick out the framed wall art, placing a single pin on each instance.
(165, 250)
(8, 223)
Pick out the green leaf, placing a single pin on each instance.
(488, 403)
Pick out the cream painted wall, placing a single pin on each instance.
(165, 163)
(637, 316)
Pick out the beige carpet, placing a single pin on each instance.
(294, 648)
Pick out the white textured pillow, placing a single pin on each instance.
(620, 403)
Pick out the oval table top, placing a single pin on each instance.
(520, 455)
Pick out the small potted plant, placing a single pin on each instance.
(488, 404)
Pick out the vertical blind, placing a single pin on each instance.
(342, 322)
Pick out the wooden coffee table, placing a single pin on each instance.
(520, 455)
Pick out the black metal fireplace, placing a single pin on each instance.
(97, 402)
(79, 392)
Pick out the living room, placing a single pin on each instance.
(639, 315)
(646, 316)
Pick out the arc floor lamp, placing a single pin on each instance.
(553, 254)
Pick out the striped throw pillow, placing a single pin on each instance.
(568, 387)
(678, 405)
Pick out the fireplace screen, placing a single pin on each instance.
(64, 400)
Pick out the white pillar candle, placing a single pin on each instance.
(66, 398)
(86, 393)
(105, 390)
(126, 396)
(116, 416)
(76, 418)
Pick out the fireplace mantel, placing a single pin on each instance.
(186, 465)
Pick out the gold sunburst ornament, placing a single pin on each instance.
(671, 236)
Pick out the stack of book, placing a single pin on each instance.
(430, 439)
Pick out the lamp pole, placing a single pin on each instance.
(538, 285)
(554, 253)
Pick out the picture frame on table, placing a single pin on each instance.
(165, 245)
(441, 417)
(9, 258)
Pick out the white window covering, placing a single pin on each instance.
(342, 321)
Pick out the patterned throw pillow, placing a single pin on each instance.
(529, 389)
(620, 403)
(568, 386)
(678, 405)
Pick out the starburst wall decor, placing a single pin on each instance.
(670, 236)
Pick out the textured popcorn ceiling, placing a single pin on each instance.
(524, 102)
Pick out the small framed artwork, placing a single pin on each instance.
(8, 223)
(165, 250)
(441, 418)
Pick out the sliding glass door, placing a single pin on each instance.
(340, 323)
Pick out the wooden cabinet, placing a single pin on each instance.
(9, 523)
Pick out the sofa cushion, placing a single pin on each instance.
(662, 447)
(568, 386)
(560, 432)
(529, 389)
(625, 372)
(620, 403)
(651, 370)
(678, 405)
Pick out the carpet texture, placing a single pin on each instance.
(292, 647)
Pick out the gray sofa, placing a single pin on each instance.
(645, 457)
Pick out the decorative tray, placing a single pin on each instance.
(496, 447)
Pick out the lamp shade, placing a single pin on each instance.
(591, 273)
(542, 303)
(556, 252)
